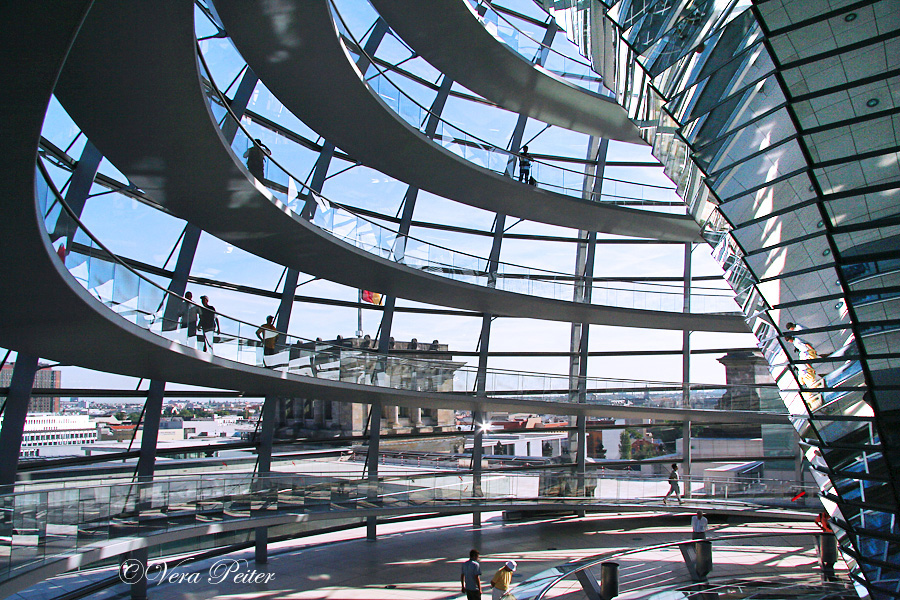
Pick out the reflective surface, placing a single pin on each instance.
(44, 525)
(785, 154)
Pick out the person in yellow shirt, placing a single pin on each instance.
(502, 580)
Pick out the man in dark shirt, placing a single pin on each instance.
(256, 159)
(209, 323)
(471, 577)
(525, 166)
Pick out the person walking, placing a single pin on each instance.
(502, 580)
(256, 159)
(209, 323)
(267, 334)
(470, 578)
(525, 166)
(190, 312)
(674, 487)
(699, 524)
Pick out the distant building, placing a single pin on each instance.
(431, 369)
(544, 444)
(43, 430)
(45, 378)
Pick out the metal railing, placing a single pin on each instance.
(41, 526)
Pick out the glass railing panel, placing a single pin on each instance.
(47, 519)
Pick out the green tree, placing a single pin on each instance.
(134, 417)
(625, 444)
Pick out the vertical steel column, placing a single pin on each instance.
(581, 420)
(177, 286)
(282, 321)
(150, 430)
(584, 269)
(479, 416)
(240, 102)
(318, 180)
(14, 413)
(686, 376)
(387, 318)
(263, 469)
(78, 192)
(145, 468)
(372, 465)
(174, 306)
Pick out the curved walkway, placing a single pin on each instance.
(79, 526)
(144, 108)
(117, 334)
(450, 36)
(47, 313)
(296, 52)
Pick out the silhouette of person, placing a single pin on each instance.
(256, 159)
(525, 166)
(209, 323)
(190, 312)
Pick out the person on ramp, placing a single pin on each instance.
(674, 487)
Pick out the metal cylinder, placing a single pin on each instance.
(828, 549)
(704, 557)
(609, 580)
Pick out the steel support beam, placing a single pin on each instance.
(145, 469)
(686, 375)
(282, 322)
(372, 464)
(387, 318)
(177, 286)
(264, 469)
(78, 192)
(240, 102)
(15, 411)
(584, 284)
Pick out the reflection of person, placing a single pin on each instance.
(524, 165)
(808, 375)
(822, 522)
(699, 523)
(674, 488)
(502, 580)
(266, 334)
(209, 323)
(256, 159)
(470, 578)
